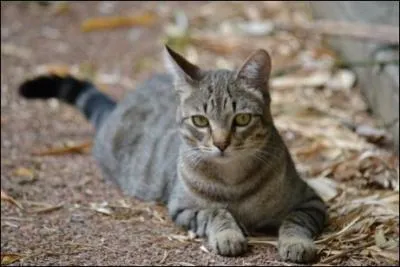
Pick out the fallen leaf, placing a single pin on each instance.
(57, 69)
(380, 239)
(101, 208)
(25, 175)
(372, 134)
(256, 28)
(346, 171)
(21, 171)
(214, 44)
(315, 79)
(6, 197)
(325, 187)
(61, 8)
(47, 209)
(342, 79)
(80, 148)
(8, 258)
(102, 23)
(204, 249)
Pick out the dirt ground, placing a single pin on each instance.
(64, 222)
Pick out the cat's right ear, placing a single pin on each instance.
(256, 69)
(182, 70)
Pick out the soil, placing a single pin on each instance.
(76, 234)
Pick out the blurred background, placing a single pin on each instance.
(334, 88)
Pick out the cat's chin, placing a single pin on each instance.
(222, 157)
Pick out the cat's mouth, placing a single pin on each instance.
(221, 156)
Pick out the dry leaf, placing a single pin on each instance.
(316, 79)
(343, 79)
(8, 258)
(80, 148)
(382, 242)
(6, 197)
(325, 187)
(346, 171)
(101, 208)
(372, 134)
(256, 28)
(61, 8)
(102, 23)
(47, 209)
(227, 46)
(204, 249)
(57, 69)
(380, 239)
(21, 171)
(25, 175)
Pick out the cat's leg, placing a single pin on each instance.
(300, 227)
(218, 225)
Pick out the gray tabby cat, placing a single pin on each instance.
(208, 149)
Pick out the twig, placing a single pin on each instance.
(380, 33)
(164, 257)
(345, 252)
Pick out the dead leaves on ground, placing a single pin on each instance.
(30, 207)
(6, 197)
(8, 258)
(102, 23)
(82, 148)
(124, 211)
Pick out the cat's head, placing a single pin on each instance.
(222, 114)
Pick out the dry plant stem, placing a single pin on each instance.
(380, 33)
(345, 252)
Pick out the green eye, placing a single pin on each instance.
(200, 121)
(242, 119)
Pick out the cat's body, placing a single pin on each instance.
(210, 152)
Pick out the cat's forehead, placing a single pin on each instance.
(215, 82)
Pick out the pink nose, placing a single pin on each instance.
(222, 145)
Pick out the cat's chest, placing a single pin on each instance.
(231, 173)
(266, 205)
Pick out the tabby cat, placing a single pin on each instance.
(208, 149)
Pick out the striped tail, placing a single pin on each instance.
(83, 94)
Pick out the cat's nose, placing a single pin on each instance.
(222, 145)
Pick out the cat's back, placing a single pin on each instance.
(137, 145)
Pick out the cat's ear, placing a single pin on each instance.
(256, 69)
(180, 68)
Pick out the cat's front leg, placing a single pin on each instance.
(218, 225)
(298, 230)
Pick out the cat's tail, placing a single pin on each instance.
(83, 94)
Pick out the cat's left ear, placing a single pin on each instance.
(256, 69)
(180, 68)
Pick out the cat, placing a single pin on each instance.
(204, 143)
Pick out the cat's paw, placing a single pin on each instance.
(297, 249)
(228, 243)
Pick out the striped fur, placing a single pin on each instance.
(150, 146)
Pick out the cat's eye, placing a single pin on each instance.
(242, 119)
(200, 121)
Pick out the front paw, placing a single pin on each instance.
(228, 243)
(297, 249)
